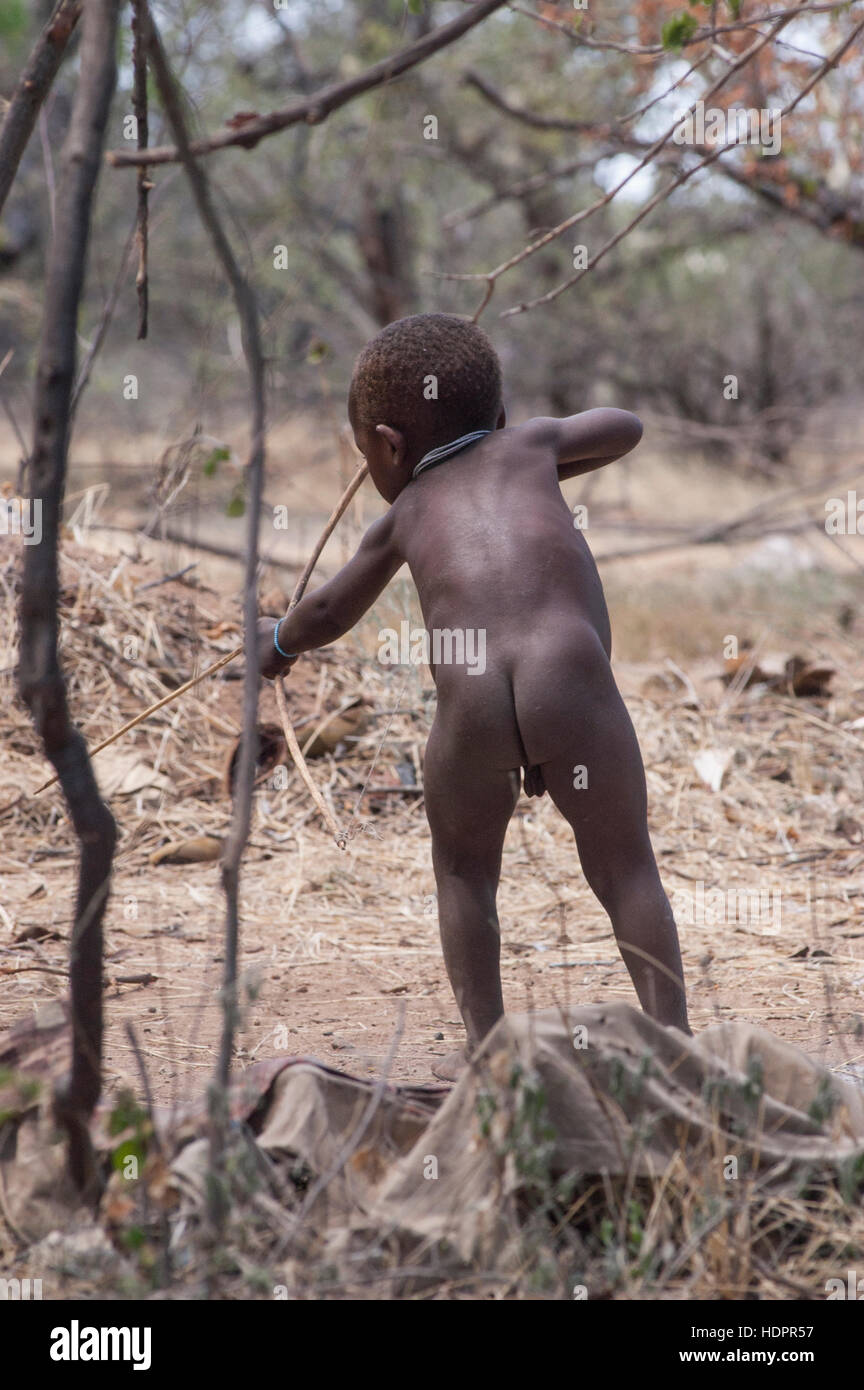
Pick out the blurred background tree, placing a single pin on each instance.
(751, 269)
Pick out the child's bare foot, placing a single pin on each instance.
(451, 1067)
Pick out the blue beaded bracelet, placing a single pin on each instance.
(289, 656)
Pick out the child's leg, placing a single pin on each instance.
(575, 725)
(468, 804)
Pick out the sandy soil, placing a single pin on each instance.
(340, 955)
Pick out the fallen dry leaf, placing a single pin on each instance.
(123, 774)
(198, 850)
(711, 765)
(804, 679)
(343, 724)
(272, 750)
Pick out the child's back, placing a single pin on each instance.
(492, 548)
(491, 543)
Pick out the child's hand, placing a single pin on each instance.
(270, 663)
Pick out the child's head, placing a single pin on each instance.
(421, 382)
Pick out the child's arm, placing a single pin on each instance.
(587, 441)
(332, 610)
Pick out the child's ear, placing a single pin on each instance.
(396, 440)
(502, 419)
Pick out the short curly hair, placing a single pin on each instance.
(432, 373)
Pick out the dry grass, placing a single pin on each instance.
(333, 942)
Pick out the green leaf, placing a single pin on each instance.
(218, 456)
(236, 505)
(316, 351)
(678, 30)
(131, 1148)
(13, 18)
(734, 8)
(126, 1114)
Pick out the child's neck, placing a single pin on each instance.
(445, 451)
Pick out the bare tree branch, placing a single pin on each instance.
(108, 309)
(32, 90)
(491, 277)
(40, 677)
(701, 35)
(517, 190)
(831, 61)
(316, 108)
(816, 204)
(238, 834)
(139, 106)
(472, 78)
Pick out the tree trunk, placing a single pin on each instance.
(33, 88)
(40, 677)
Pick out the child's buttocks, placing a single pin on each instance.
(477, 716)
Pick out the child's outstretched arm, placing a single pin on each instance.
(331, 611)
(587, 441)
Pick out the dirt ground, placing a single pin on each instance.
(340, 953)
(362, 987)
